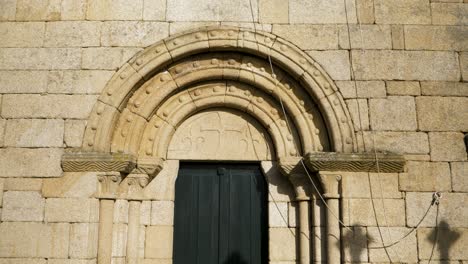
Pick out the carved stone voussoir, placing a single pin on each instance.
(92, 161)
(355, 162)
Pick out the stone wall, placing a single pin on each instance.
(401, 65)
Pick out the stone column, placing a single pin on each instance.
(107, 193)
(133, 232)
(330, 182)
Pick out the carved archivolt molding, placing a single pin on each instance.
(162, 75)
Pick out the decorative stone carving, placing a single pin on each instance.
(92, 161)
(220, 135)
(108, 185)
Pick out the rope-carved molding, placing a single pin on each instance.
(138, 91)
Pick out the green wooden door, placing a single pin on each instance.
(220, 215)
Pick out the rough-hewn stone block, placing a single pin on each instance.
(71, 210)
(282, 244)
(154, 10)
(450, 243)
(154, 248)
(359, 111)
(74, 131)
(405, 65)
(23, 206)
(403, 88)
(72, 34)
(138, 34)
(451, 209)
(8, 10)
(360, 212)
(450, 112)
(402, 12)
(335, 62)
(316, 11)
(370, 89)
(38, 10)
(34, 240)
(71, 185)
(40, 58)
(83, 240)
(459, 176)
(2, 183)
(34, 133)
(47, 106)
(447, 146)
(18, 34)
(406, 251)
(449, 13)
(397, 142)
(212, 10)
(77, 82)
(320, 37)
(371, 36)
(426, 177)
(278, 214)
(464, 65)
(365, 11)
(73, 9)
(347, 88)
(23, 261)
(34, 162)
(162, 213)
(23, 81)
(448, 37)
(393, 113)
(114, 10)
(398, 37)
(2, 129)
(273, 11)
(20, 184)
(358, 185)
(444, 88)
(106, 58)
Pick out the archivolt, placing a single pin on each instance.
(151, 95)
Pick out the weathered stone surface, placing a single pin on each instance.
(320, 37)
(450, 110)
(39, 58)
(8, 10)
(358, 185)
(355, 244)
(282, 244)
(33, 162)
(23, 206)
(447, 146)
(83, 240)
(450, 242)
(154, 10)
(212, 10)
(449, 13)
(73, 34)
(71, 210)
(335, 62)
(279, 187)
(2, 183)
(121, 211)
(19, 184)
(359, 115)
(276, 11)
(162, 213)
(18, 34)
(138, 34)
(371, 36)
(119, 240)
(406, 251)
(398, 37)
(292, 214)
(38, 10)
(23, 261)
(451, 209)
(145, 213)
(47, 106)
(360, 212)
(403, 88)
(249, 25)
(74, 131)
(106, 58)
(444, 88)
(73, 9)
(34, 133)
(114, 10)
(278, 214)
(464, 65)
(71, 185)
(459, 176)
(72, 261)
(395, 113)
(77, 82)
(23, 81)
(405, 65)
(365, 11)
(448, 37)
(426, 177)
(402, 12)
(370, 89)
(178, 27)
(154, 248)
(316, 11)
(2, 129)
(34, 240)
(347, 88)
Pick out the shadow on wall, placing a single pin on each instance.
(355, 242)
(444, 238)
(235, 258)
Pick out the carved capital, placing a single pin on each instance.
(94, 161)
(133, 185)
(108, 184)
(330, 183)
(150, 166)
(294, 170)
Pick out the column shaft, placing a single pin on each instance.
(106, 214)
(304, 230)
(333, 232)
(133, 232)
